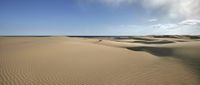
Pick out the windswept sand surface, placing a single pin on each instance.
(82, 61)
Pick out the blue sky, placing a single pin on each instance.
(99, 17)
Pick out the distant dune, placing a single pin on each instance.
(107, 60)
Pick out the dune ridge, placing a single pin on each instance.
(86, 61)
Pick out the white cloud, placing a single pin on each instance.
(190, 22)
(184, 27)
(164, 26)
(113, 2)
(184, 9)
(152, 20)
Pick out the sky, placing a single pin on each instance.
(99, 17)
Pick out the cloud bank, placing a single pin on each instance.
(186, 27)
(190, 27)
(186, 14)
(184, 9)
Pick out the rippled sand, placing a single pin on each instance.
(82, 61)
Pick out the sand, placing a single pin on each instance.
(83, 61)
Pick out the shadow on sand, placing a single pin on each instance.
(189, 59)
(135, 38)
(154, 50)
(154, 42)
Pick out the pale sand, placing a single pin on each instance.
(77, 61)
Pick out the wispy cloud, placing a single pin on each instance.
(190, 22)
(152, 20)
(186, 12)
(164, 26)
(113, 2)
(185, 9)
(183, 27)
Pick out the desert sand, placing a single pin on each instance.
(148, 60)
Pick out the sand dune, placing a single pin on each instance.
(99, 61)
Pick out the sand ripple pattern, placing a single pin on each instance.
(65, 61)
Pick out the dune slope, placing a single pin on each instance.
(76, 61)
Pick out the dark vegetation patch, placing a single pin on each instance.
(192, 37)
(165, 36)
(181, 41)
(140, 38)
